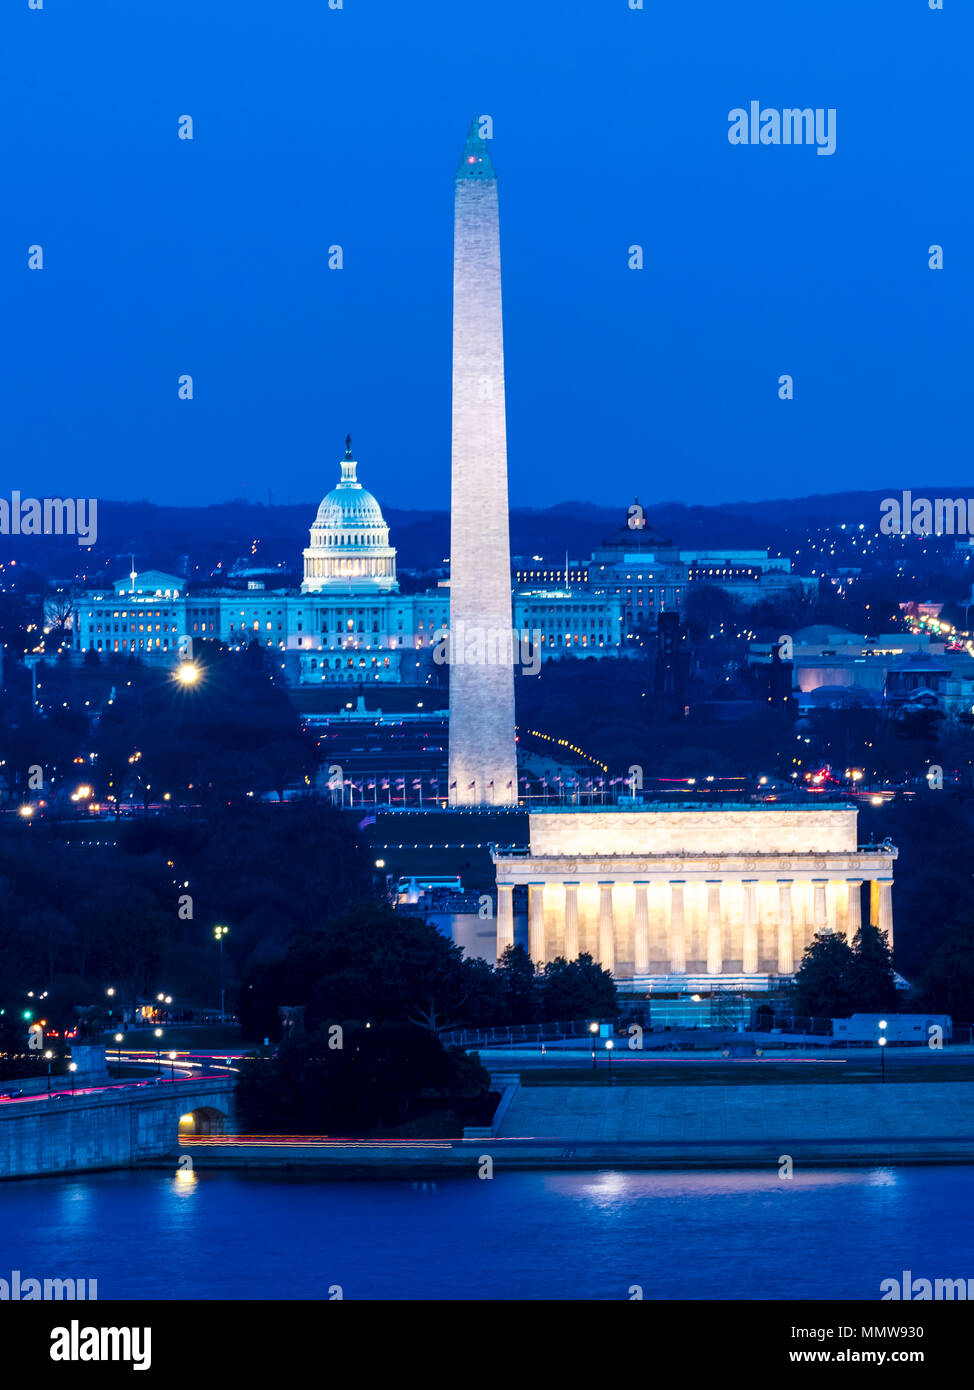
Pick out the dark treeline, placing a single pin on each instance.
(77, 918)
(359, 1004)
(182, 540)
(131, 732)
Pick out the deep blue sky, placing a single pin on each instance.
(315, 126)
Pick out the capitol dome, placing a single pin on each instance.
(349, 546)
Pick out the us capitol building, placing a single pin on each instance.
(348, 623)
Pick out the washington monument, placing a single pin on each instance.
(483, 760)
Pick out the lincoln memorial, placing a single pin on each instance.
(678, 895)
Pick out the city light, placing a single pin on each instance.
(187, 673)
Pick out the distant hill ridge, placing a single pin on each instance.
(193, 540)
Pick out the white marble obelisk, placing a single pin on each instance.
(483, 760)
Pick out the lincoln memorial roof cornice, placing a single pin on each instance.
(870, 862)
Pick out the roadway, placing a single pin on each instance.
(187, 1064)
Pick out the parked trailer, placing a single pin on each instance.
(900, 1028)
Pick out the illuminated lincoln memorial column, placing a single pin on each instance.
(854, 909)
(505, 917)
(749, 963)
(886, 908)
(571, 921)
(715, 958)
(607, 954)
(641, 929)
(786, 935)
(677, 932)
(536, 931)
(820, 911)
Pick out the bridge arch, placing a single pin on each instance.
(205, 1119)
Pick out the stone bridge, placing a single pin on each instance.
(114, 1128)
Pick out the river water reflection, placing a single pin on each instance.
(827, 1234)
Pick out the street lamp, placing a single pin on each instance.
(172, 1066)
(157, 1033)
(220, 933)
(608, 1050)
(882, 1049)
(48, 1057)
(72, 1068)
(118, 1052)
(593, 1028)
(187, 673)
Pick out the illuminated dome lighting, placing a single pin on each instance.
(349, 549)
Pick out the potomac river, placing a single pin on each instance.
(828, 1233)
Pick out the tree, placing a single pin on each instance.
(871, 982)
(918, 724)
(131, 932)
(821, 984)
(60, 610)
(50, 935)
(368, 962)
(836, 979)
(356, 1079)
(707, 608)
(575, 989)
(519, 985)
(947, 984)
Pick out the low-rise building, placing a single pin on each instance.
(834, 668)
